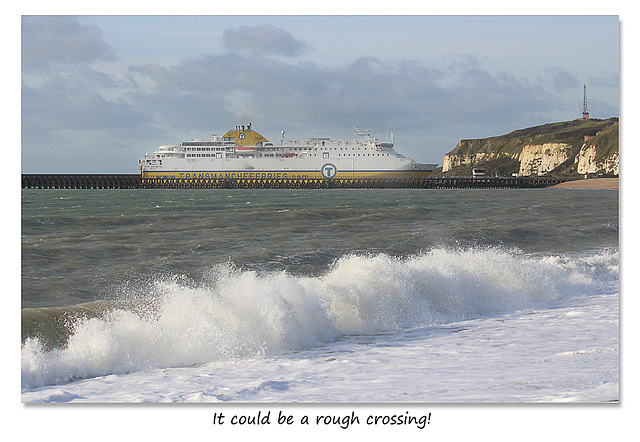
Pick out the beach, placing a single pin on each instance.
(594, 183)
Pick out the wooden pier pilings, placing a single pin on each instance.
(135, 181)
(81, 181)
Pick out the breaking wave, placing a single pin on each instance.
(233, 313)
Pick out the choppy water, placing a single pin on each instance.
(122, 280)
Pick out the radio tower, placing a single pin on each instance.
(585, 110)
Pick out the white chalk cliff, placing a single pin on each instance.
(578, 146)
(587, 161)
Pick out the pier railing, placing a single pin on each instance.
(135, 181)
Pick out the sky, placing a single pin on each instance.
(99, 91)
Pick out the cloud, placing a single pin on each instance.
(242, 105)
(62, 104)
(52, 40)
(560, 79)
(407, 95)
(265, 39)
(61, 91)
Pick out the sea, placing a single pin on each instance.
(370, 310)
(406, 296)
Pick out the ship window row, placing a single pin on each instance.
(364, 155)
(346, 148)
(204, 155)
(204, 149)
(201, 143)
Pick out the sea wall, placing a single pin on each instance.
(135, 181)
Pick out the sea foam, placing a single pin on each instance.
(234, 314)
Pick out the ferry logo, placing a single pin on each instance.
(329, 170)
(242, 135)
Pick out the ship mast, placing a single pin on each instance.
(366, 134)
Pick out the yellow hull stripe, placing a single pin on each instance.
(280, 175)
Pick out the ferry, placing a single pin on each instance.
(242, 153)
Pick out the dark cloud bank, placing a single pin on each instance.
(265, 39)
(252, 82)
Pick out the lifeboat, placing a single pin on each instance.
(243, 150)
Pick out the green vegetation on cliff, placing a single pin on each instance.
(501, 155)
(606, 142)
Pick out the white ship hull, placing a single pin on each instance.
(245, 154)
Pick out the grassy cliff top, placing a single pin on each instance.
(568, 132)
(500, 154)
(606, 142)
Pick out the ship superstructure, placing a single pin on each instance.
(242, 153)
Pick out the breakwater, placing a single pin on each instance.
(80, 181)
(135, 181)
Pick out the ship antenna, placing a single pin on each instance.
(360, 133)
